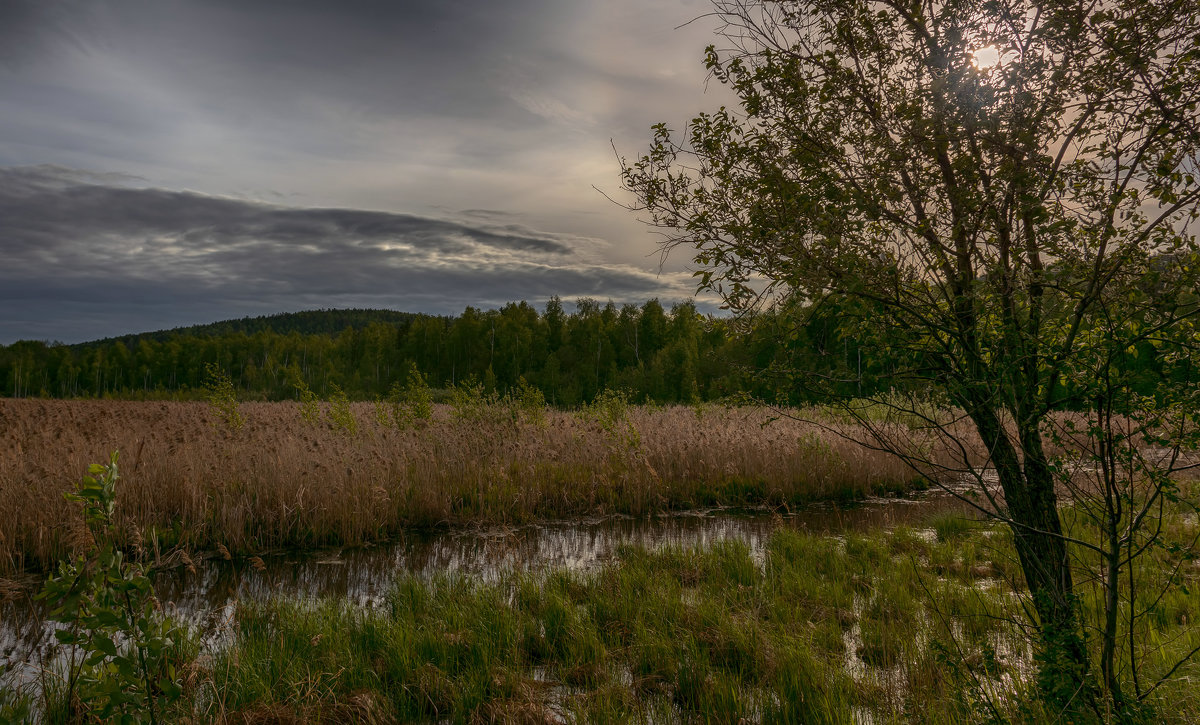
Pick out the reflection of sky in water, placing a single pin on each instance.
(206, 599)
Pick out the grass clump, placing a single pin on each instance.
(948, 527)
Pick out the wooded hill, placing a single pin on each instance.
(658, 355)
(661, 355)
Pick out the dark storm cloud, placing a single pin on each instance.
(77, 244)
(47, 210)
(29, 28)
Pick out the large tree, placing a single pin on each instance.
(1003, 190)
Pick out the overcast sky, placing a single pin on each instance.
(170, 162)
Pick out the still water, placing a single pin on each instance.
(206, 598)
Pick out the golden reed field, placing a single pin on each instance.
(283, 481)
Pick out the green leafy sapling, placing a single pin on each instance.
(610, 410)
(123, 651)
(471, 401)
(527, 404)
(341, 417)
(412, 404)
(222, 398)
(310, 404)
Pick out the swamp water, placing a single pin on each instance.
(206, 598)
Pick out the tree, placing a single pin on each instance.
(994, 181)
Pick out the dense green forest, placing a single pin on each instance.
(659, 355)
(675, 355)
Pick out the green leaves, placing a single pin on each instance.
(1016, 239)
(412, 404)
(120, 648)
(98, 495)
(222, 398)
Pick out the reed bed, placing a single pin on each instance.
(279, 480)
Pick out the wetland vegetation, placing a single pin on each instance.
(911, 624)
(924, 622)
(280, 480)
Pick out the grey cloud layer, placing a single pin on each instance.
(75, 245)
(445, 102)
(405, 106)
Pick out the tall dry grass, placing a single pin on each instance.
(281, 482)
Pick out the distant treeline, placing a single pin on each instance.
(661, 355)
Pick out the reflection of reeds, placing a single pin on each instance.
(283, 482)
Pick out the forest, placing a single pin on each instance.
(657, 354)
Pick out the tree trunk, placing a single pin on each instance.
(1027, 482)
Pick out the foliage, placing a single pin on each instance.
(340, 416)
(222, 398)
(663, 355)
(610, 410)
(412, 404)
(469, 400)
(15, 707)
(1012, 237)
(310, 404)
(123, 651)
(383, 416)
(526, 404)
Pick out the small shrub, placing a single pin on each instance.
(411, 404)
(340, 415)
(222, 398)
(610, 410)
(527, 404)
(469, 401)
(310, 405)
(382, 417)
(107, 605)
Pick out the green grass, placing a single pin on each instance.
(668, 635)
(820, 629)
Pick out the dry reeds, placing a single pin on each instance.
(280, 481)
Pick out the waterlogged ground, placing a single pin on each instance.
(895, 610)
(205, 595)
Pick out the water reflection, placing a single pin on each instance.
(206, 597)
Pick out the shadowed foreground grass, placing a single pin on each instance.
(908, 626)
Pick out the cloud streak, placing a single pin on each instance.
(85, 251)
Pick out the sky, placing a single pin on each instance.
(174, 162)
